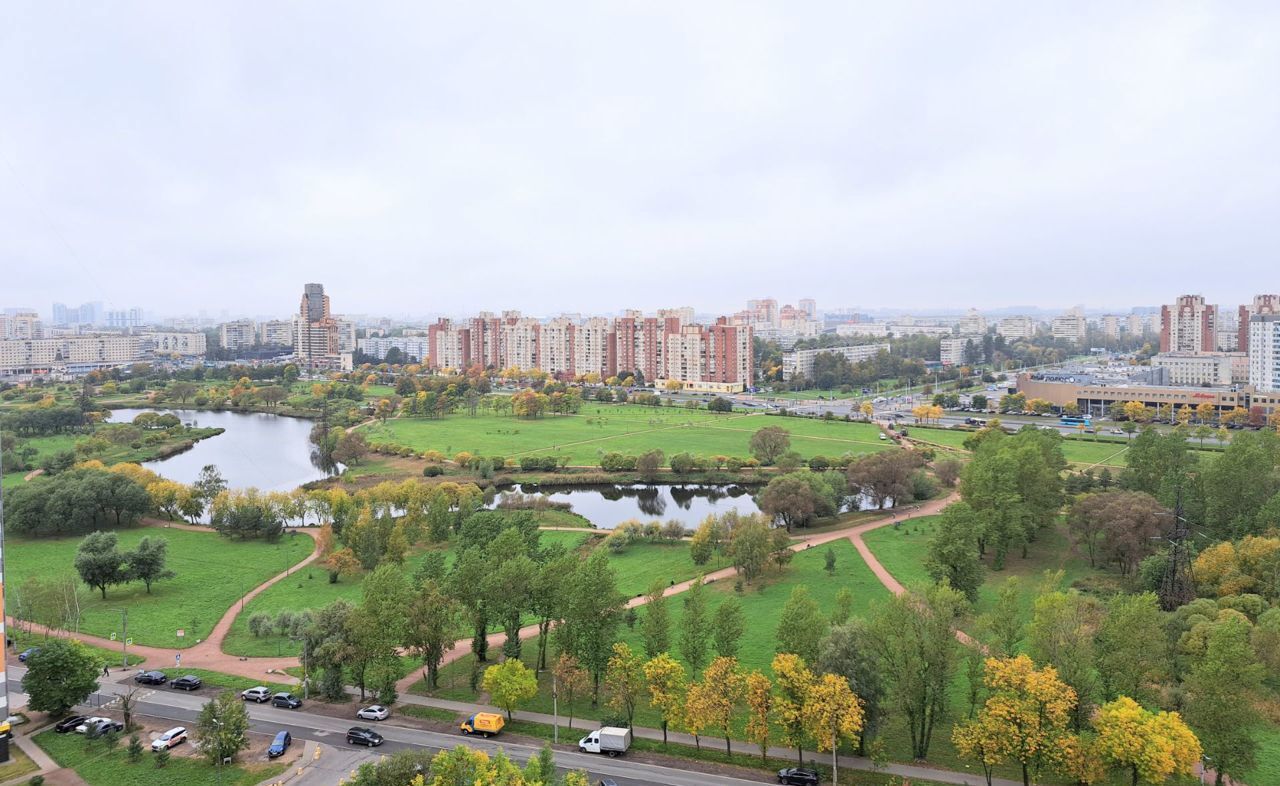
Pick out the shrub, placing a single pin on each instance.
(682, 463)
(819, 463)
(923, 486)
(673, 529)
(432, 471)
(162, 759)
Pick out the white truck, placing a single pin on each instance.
(611, 740)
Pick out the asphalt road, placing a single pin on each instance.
(183, 708)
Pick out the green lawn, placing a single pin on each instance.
(98, 767)
(230, 681)
(309, 588)
(1267, 767)
(624, 428)
(212, 573)
(642, 564)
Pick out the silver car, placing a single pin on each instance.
(374, 712)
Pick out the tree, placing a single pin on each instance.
(759, 696)
(342, 562)
(435, 622)
(769, 443)
(789, 499)
(1118, 526)
(668, 686)
(649, 463)
(1153, 746)
(61, 675)
(99, 563)
(1220, 692)
(726, 688)
(793, 680)
(570, 680)
(703, 543)
(146, 562)
(847, 651)
(592, 611)
(1238, 484)
(1133, 649)
(832, 713)
(209, 483)
(655, 625)
(624, 680)
(844, 607)
(801, 625)
(727, 626)
(694, 628)
(350, 449)
(510, 684)
(1061, 634)
(1026, 717)
(918, 655)
(750, 545)
(953, 550)
(222, 728)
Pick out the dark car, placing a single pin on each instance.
(151, 677)
(70, 724)
(607, 782)
(286, 700)
(360, 735)
(103, 727)
(280, 744)
(27, 653)
(189, 682)
(795, 776)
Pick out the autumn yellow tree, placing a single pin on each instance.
(1081, 760)
(832, 713)
(760, 706)
(793, 679)
(976, 739)
(728, 687)
(1204, 412)
(1152, 746)
(1027, 714)
(624, 680)
(571, 681)
(698, 713)
(867, 409)
(1136, 411)
(668, 686)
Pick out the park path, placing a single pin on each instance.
(208, 653)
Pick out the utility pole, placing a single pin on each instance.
(555, 710)
(124, 637)
(4, 651)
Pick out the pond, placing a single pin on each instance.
(606, 506)
(268, 452)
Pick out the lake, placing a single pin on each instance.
(268, 452)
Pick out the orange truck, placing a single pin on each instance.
(485, 724)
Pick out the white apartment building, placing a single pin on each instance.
(684, 357)
(800, 362)
(1016, 327)
(415, 348)
(591, 347)
(276, 332)
(1071, 326)
(21, 325)
(953, 349)
(69, 355)
(174, 343)
(972, 323)
(1264, 353)
(237, 335)
(1193, 368)
(555, 346)
(520, 339)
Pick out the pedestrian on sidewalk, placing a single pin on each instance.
(106, 671)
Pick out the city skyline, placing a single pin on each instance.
(437, 161)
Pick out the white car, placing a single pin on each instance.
(172, 737)
(375, 712)
(90, 723)
(259, 694)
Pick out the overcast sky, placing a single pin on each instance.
(557, 156)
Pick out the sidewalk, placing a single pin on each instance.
(708, 741)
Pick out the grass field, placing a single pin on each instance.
(98, 767)
(212, 573)
(309, 588)
(626, 428)
(642, 564)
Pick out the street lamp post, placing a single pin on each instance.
(124, 637)
(218, 749)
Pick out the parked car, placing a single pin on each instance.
(151, 678)
(259, 694)
(375, 712)
(361, 735)
(286, 700)
(187, 682)
(27, 653)
(102, 727)
(797, 776)
(70, 724)
(90, 722)
(280, 744)
(175, 736)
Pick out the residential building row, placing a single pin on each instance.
(800, 362)
(667, 346)
(73, 355)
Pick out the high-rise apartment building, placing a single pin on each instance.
(1071, 326)
(21, 325)
(1016, 327)
(320, 340)
(1264, 352)
(1262, 305)
(1189, 325)
(973, 323)
(237, 335)
(809, 306)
